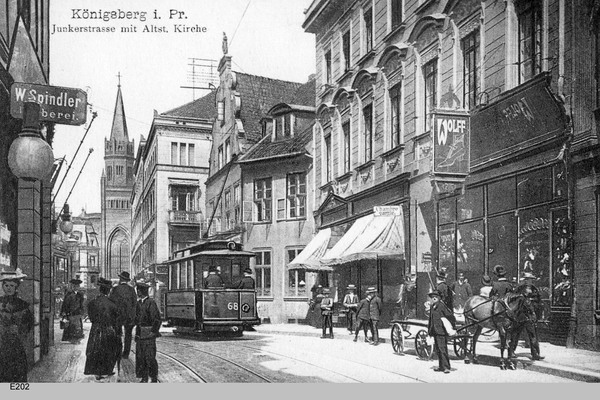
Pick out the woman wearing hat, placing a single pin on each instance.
(73, 309)
(104, 344)
(16, 320)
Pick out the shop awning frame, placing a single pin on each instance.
(309, 258)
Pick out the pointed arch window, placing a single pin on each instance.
(118, 256)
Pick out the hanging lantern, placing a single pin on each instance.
(30, 157)
(66, 226)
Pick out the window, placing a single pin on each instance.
(109, 174)
(346, 133)
(236, 194)
(182, 154)
(328, 159)
(430, 76)
(220, 157)
(296, 282)
(263, 273)
(530, 40)
(174, 153)
(287, 125)
(368, 24)
(227, 151)
(396, 103)
(191, 155)
(346, 51)
(328, 67)
(396, 13)
(119, 170)
(263, 199)
(183, 198)
(221, 110)
(296, 195)
(368, 132)
(228, 199)
(470, 45)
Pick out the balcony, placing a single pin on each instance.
(178, 217)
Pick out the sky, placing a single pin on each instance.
(265, 38)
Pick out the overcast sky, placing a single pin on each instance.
(265, 38)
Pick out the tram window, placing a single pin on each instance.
(190, 274)
(172, 276)
(236, 270)
(198, 274)
(182, 275)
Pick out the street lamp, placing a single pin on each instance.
(30, 157)
(66, 226)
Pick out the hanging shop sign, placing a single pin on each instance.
(522, 119)
(60, 105)
(451, 141)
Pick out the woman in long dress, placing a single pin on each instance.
(104, 343)
(16, 320)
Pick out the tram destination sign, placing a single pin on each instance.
(60, 105)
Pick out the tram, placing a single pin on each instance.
(192, 308)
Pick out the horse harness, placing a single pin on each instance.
(503, 302)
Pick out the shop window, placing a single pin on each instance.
(501, 196)
(560, 181)
(470, 205)
(368, 276)
(296, 279)
(447, 210)
(503, 244)
(534, 187)
(534, 244)
(392, 276)
(446, 247)
(470, 255)
(263, 273)
(562, 260)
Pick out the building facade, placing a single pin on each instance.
(480, 115)
(116, 184)
(168, 197)
(25, 206)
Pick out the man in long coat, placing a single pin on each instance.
(375, 307)
(73, 310)
(527, 321)
(247, 282)
(443, 288)
(502, 285)
(104, 344)
(363, 315)
(125, 298)
(437, 330)
(147, 330)
(350, 302)
(213, 280)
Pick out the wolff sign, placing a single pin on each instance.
(451, 142)
(60, 105)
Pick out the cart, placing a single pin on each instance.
(461, 341)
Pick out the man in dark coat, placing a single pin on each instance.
(327, 314)
(147, 330)
(213, 280)
(528, 319)
(502, 285)
(125, 298)
(16, 320)
(462, 291)
(247, 282)
(443, 288)
(437, 330)
(104, 344)
(363, 315)
(73, 310)
(375, 307)
(350, 302)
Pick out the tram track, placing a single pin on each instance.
(184, 365)
(261, 377)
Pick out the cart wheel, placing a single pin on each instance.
(397, 338)
(461, 347)
(422, 348)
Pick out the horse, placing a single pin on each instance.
(500, 314)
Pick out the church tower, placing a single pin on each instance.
(116, 186)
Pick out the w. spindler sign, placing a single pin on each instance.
(60, 105)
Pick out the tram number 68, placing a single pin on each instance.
(232, 306)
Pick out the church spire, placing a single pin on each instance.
(119, 125)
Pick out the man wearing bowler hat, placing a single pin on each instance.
(502, 285)
(375, 307)
(147, 330)
(247, 282)
(437, 330)
(213, 280)
(351, 303)
(125, 299)
(443, 288)
(527, 320)
(327, 314)
(73, 309)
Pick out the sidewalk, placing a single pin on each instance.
(581, 365)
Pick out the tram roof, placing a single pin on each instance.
(224, 252)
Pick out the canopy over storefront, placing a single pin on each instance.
(369, 237)
(308, 259)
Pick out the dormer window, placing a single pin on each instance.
(283, 126)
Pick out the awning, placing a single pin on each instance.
(308, 259)
(369, 237)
